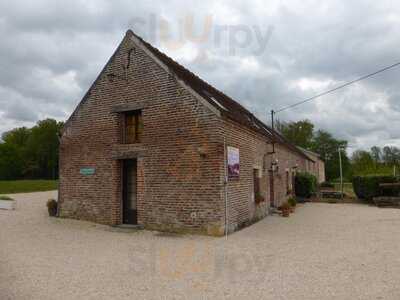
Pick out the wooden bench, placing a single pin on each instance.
(387, 201)
(389, 185)
(331, 194)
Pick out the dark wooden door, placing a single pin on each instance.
(271, 189)
(256, 183)
(129, 204)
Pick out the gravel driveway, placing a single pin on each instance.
(323, 251)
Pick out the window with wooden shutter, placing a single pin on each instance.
(133, 127)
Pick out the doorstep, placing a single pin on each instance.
(129, 226)
(274, 210)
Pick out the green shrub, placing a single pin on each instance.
(367, 187)
(305, 185)
(292, 201)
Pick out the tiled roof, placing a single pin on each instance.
(309, 152)
(226, 105)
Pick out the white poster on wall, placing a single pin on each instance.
(233, 163)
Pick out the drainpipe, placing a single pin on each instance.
(58, 183)
(272, 193)
(341, 173)
(226, 190)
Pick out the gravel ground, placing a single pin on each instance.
(323, 251)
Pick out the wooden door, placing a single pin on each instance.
(129, 205)
(271, 189)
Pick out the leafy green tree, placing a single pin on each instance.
(302, 134)
(391, 155)
(43, 144)
(299, 133)
(328, 148)
(17, 137)
(376, 153)
(31, 153)
(363, 163)
(10, 162)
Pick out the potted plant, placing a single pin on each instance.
(259, 198)
(7, 203)
(52, 207)
(292, 202)
(285, 208)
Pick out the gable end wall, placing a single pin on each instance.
(179, 159)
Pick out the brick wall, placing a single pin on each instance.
(287, 161)
(255, 153)
(178, 160)
(317, 168)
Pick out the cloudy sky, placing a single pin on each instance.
(265, 54)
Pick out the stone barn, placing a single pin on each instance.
(151, 144)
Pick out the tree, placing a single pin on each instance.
(31, 153)
(18, 139)
(299, 133)
(328, 148)
(391, 155)
(42, 147)
(10, 162)
(376, 153)
(363, 163)
(18, 136)
(302, 134)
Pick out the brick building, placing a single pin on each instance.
(317, 167)
(153, 144)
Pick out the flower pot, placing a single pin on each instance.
(52, 211)
(292, 209)
(285, 213)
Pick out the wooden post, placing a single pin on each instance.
(341, 172)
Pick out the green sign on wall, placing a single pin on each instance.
(87, 171)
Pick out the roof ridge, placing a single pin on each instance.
(147, 44)
(224, 103)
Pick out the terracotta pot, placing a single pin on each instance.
(52, 211)
(285, 213)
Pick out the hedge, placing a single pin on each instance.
(326, 185)
(305, 185)
(367, 187)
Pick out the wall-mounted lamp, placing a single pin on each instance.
(202, 152)
(275, 165)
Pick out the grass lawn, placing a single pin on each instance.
(27, 186)
(347, 188)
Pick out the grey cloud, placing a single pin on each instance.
(20, 113)
(51, 51)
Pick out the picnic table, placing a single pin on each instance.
(390, 184)
(387, 201)
(331, 194)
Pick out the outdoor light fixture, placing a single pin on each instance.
(274, 165)
(202, 152)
